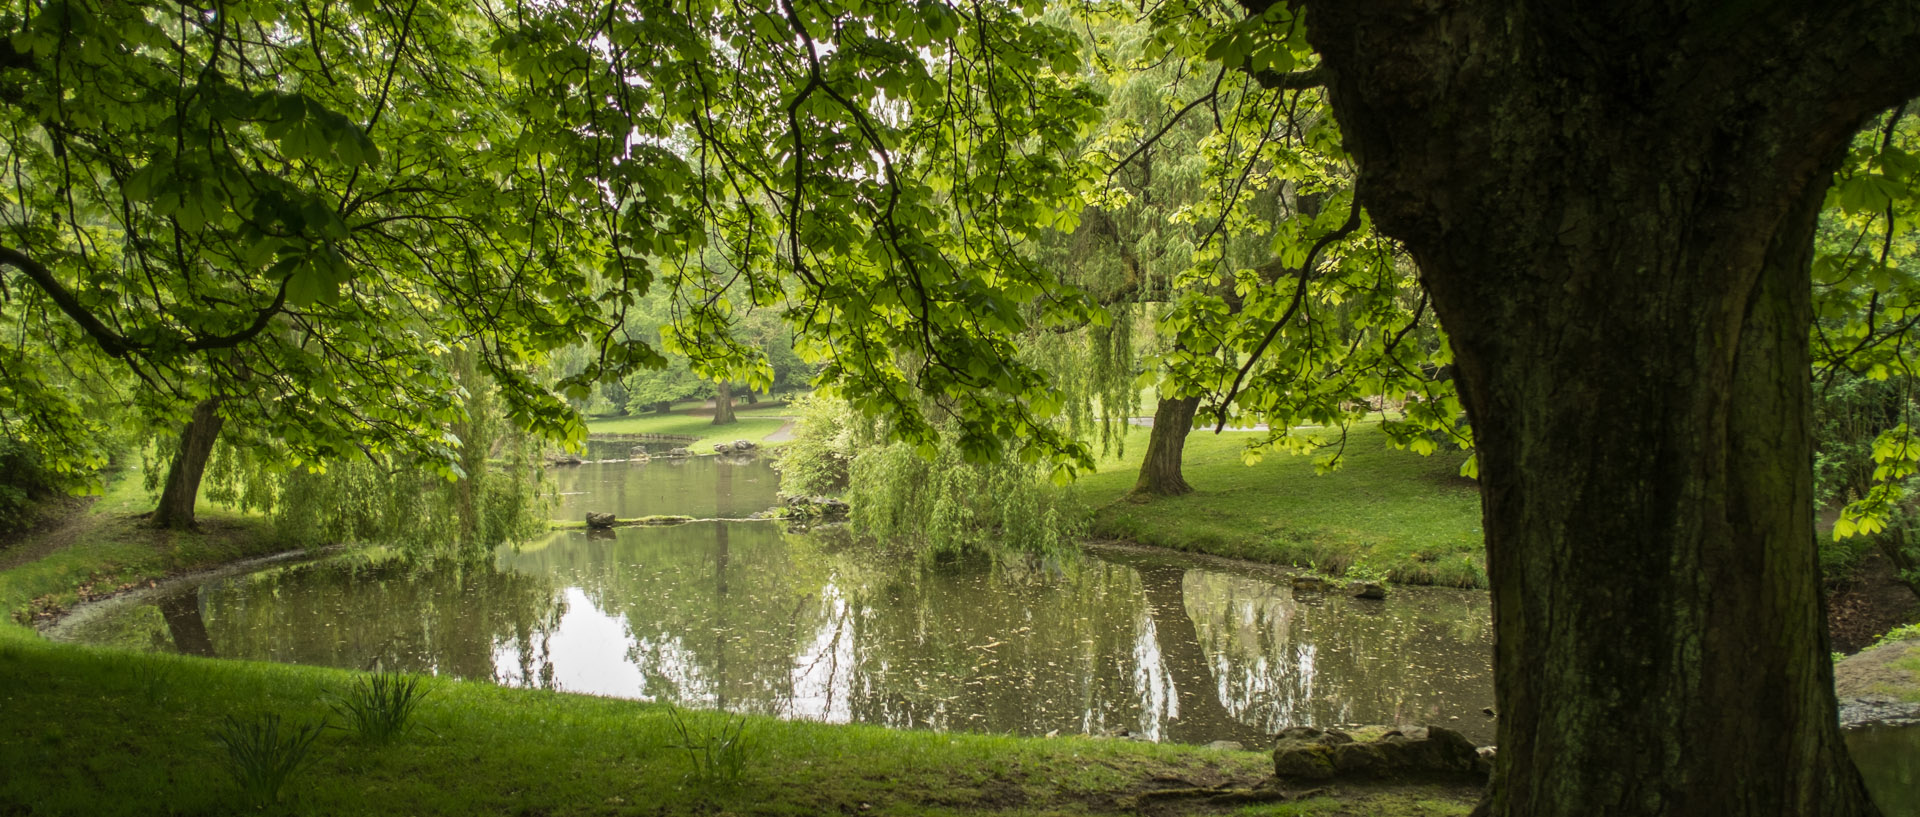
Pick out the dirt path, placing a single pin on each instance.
(781, 434)
(58, 531)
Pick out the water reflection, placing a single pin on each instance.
(746, 617)
(733, 486)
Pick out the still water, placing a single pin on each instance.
(707, 487)
(749, 617)
(746, 617)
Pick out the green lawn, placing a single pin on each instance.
(755, 423)
(1411, 517)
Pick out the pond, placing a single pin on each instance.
(708, 487)
(750, 617)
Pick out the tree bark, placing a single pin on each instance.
(723, 404)
(1166, 445)
(1613, 208)
(182, 490)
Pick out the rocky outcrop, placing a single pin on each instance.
(599, 520)
(1311, 753)
(639, 454)
(1368, 590)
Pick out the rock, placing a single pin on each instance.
(1309, 753)
(1227, 746)
(1304, 761)
(1442, 750)
(565, 459)
(599, 520)
(639, 454)
(1368, 590)
(1309, 583)
(722, 448)
(743, 445)
(1484, 764)
(680, 452)
(1359, 759)
(1306, 752)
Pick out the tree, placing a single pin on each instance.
(1613, 209)
(286, 216)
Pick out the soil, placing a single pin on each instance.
(1867, 604)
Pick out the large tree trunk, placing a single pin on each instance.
(182, 488)
(723, 404)
(1612, 206)
(1166, 445)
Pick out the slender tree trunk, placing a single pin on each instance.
(1613, 208)
(723, 404)
(1166, 445)
(752, 398)
(182, 488)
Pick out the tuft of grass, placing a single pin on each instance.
(379, 707)
(262, 757)
(719, 756)
(1413, 518)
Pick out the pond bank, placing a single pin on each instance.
(1385, 513)
(1880, 685)
(102, 731)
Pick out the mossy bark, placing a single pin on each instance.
(1613, 208)
(182, 488)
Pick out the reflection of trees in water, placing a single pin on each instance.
(711, 611)
(444, 617)
(742, 616)
(1024, 648)
(1278, 660)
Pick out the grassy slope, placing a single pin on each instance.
(755, 423)
(93, 731)
(1410, 516)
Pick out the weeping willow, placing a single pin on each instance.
(493, 493)
(934, 503)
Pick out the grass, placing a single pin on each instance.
(1410, 517)
(86, 739)
(111, 553)
(262, 757)
(378, 707)
(755, 423)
